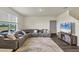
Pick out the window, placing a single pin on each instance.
(3, 25)
(3, 21)
(8, 21)
(12, 22)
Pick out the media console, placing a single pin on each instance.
(68, 38)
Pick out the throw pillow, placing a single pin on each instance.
(12, 37)
(35, 31)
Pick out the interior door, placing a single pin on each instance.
(53, 27)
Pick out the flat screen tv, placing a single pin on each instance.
(65, 27)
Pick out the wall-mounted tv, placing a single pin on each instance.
(65, 27)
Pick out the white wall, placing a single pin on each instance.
(37, 22)
(7, 10)
(66, 17)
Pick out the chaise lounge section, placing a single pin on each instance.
(13, 42)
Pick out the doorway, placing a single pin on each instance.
(53, 28)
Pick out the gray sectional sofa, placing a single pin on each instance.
(38, 32)
(16, 41)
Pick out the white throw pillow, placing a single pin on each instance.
(35, 31)
(12, 37)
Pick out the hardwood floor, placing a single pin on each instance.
(40, 44)
(5, 50)
(64, 46)
(44, 44)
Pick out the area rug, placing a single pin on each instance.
(39, 44)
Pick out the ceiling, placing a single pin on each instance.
(46, 11)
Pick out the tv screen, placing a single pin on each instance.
(66, 27)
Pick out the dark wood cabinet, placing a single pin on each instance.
(68, 38)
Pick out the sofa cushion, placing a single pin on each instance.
(44, 30)
(23, 33)
(12, 37)
(19, 34)
(35, 31)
